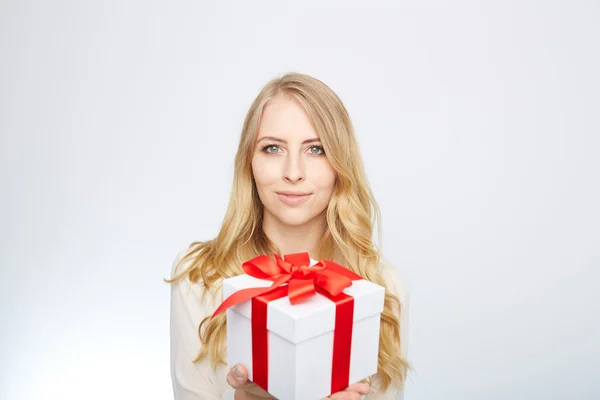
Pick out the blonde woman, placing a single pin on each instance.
(299, 186)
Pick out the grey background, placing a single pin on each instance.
(479, 127)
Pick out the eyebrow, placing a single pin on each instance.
(275, 139)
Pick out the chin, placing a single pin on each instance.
(293, 219)
(290, 221)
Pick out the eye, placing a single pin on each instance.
(271, 148)
(316, 150)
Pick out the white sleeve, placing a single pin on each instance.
(191, 381)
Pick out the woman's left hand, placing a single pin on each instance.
(352, 392)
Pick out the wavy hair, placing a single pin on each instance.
(351, 217)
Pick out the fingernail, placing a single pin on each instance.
(237, 373)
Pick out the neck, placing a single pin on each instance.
(295, 239)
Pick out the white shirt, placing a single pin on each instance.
(198, 381)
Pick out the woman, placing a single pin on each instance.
(299, 186)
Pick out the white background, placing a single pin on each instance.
(478, 123)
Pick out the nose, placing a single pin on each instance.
(294, 170)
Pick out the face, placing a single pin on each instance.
(293, 177)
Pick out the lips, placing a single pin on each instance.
(293, 198)
(293, 193)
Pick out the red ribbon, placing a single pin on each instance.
(294, 270)
(303, 281)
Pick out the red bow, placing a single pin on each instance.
(294, 270)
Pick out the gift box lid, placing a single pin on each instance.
(313, 317)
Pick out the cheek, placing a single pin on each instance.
(263, 175)
(325, 177)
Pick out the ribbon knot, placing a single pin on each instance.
(302, 280)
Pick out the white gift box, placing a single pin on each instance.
(301, 336)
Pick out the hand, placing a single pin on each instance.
(244, 389)
(352, 392)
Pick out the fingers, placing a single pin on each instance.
(352, 392)
(361, 388)
(344, 396)
(244, 389)
(238, 377)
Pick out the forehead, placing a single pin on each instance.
(283, 117)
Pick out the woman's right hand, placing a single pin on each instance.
(246, 390)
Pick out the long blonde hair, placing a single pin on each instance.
(350, 218)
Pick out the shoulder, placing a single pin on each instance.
(395, 280)
(183, 286)
(179, 265)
